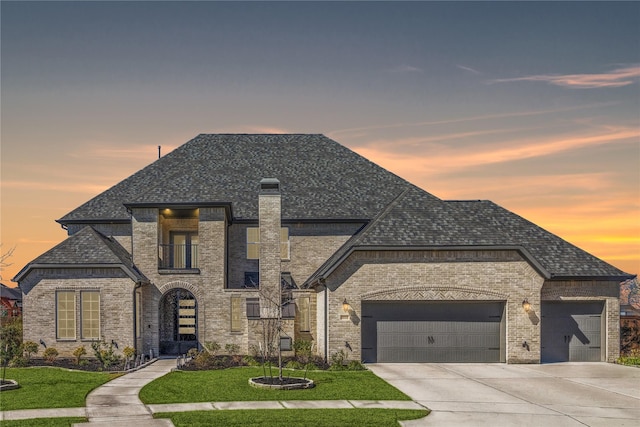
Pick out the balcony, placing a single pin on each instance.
(178, 257)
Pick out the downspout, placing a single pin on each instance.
(135, 316)
(326, 321)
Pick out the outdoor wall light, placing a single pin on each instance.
(113, 343)
(345, 306)
(526, 306)
(43, 343)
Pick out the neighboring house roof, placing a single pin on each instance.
(320, 179)
(412, 221)
(10, 293)
(87, 248)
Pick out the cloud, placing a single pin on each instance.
(471, 70)
(442, 158)
(615, 78)
(405, 69)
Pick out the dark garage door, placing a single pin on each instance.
(432, 332)
(571, 331)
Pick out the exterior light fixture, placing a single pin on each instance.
(526, 306)
(345, 306)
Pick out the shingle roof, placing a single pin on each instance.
(10, 293)
(415, 221)
(320, 179)
(87, 247)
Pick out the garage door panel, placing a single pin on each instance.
(571, 331)
(432, 332)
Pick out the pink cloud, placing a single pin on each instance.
(615, 78)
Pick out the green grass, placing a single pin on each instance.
(50, 388)
(294, 417)
(44, 422)
(228, 385)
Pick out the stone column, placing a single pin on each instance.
(269, 267)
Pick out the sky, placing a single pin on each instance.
(533, 105)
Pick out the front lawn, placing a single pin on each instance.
(228, 385)
(294, 417)
(42, 388)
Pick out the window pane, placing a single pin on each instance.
(253, 243)
(66, 313)
(90, 315)
(304, 307)
(235, 314)
(284, 243)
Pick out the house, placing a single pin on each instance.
(10, 303)
(196, 246)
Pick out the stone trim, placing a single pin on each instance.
(427, 293)
(182, 285)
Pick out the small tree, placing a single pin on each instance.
(105, 354)
(10, 343)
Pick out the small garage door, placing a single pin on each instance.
(432, 332)
(571, 331)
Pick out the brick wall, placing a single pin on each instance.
(437, 275)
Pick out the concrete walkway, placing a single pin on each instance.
(116, 403)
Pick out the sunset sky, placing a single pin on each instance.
(535, 106)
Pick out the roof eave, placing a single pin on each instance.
(128, 271)
(525, 254)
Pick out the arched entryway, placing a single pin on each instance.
(178, 322)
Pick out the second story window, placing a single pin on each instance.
(178, 239)
(253, 243)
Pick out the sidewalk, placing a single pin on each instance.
(116, 403)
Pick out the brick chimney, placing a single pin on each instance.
(269, 265)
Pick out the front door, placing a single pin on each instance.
(178, 322)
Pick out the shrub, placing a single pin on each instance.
(129, 352)
(631, 359)
(29, 348)
(232, 349)
(250, 361)
(50, 354)
(78, 353)
(18, 362)
(338, 361)
(193, 352)
(105, 354)
(212, 347)
(204, 360)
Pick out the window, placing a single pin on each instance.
(253, 308)
(304, 307)
(90, 325)
(184, 249)
(253, 243)
(251, 279)
(284, 243)
(236, 323)
(66, 315)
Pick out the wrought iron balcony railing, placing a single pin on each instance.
(178, 256)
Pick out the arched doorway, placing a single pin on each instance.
(178, 322)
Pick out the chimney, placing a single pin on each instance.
(269, 264)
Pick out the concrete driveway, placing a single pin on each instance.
(558, 395)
